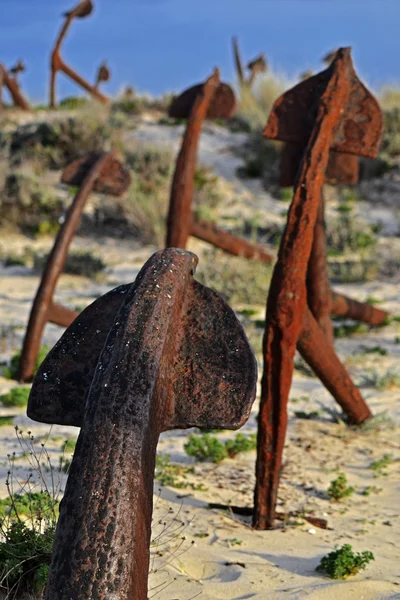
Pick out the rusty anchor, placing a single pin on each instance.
(162, 353)
(104, 174)
(330, 111)
(211, 100)
(82, 10)
(258, 65)
(343, 168)
(103, 75)
(9, 79)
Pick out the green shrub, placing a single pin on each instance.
(205, 447)
(73, 103)
(379, 466)
(12, 371)
(338, 488)
(343, 562)
(241, 443)
(17, 396)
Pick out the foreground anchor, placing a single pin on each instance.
(331, 110)
(211, 100)
(104, 174)
(82, 10)
(162, 353)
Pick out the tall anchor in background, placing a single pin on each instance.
(330, 111)
(82, 10)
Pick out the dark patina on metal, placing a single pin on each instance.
(161, 353)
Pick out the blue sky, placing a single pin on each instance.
(166, 45)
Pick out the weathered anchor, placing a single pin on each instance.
(164, 352)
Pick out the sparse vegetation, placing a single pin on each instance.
(380, 466)
(343, 562)
(338, 488)
(387, 380)
(83, 263)
(174, 475)
(207, 447)
(11, 372)
(237, 279)
(17, 396)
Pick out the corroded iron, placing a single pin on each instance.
(82, 10)
(11, 83)
(221, 106)
(113, 179)
(330, 110)
(98, 174)
(159, 354)
(103, 75)
(258, 65)
(197, 104)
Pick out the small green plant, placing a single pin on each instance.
(286, 194)
(373, 350)
(174, 475)
(241, 443)
(338, 488)
(28, 520)
(17, 396)
(299, 414)
(379, 466)
(11, 372)
(371, 489)
(205, 447)
(343, 329)
(4, 421)
(390, 379)
(343, 562)
(69, 446)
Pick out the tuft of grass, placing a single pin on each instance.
(205, 447)
(338, 488)
(343, 329)
(237, 279)
(371, 489)
(17, 396)
(256, 104)
(174, 475)
(390, 379)
(241, 443)
(12, 371)
(82, 263)
(208, 447)
(147, 201)
(4, 421)
(299, 414)
(379, 466)
(28, 518)
(343, 562)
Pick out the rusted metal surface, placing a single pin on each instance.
(319, 295)
(103, 75)
(113, 179)
(180, 208)
(82, 10)
(294, 113)
(342, 306)
(208, 232)
(170, 353)
(221, 106)
(11, 83)
(181, 223)
(326, 365)
(43, 308)
(319, 113)
(342, 168)
(258, 65)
